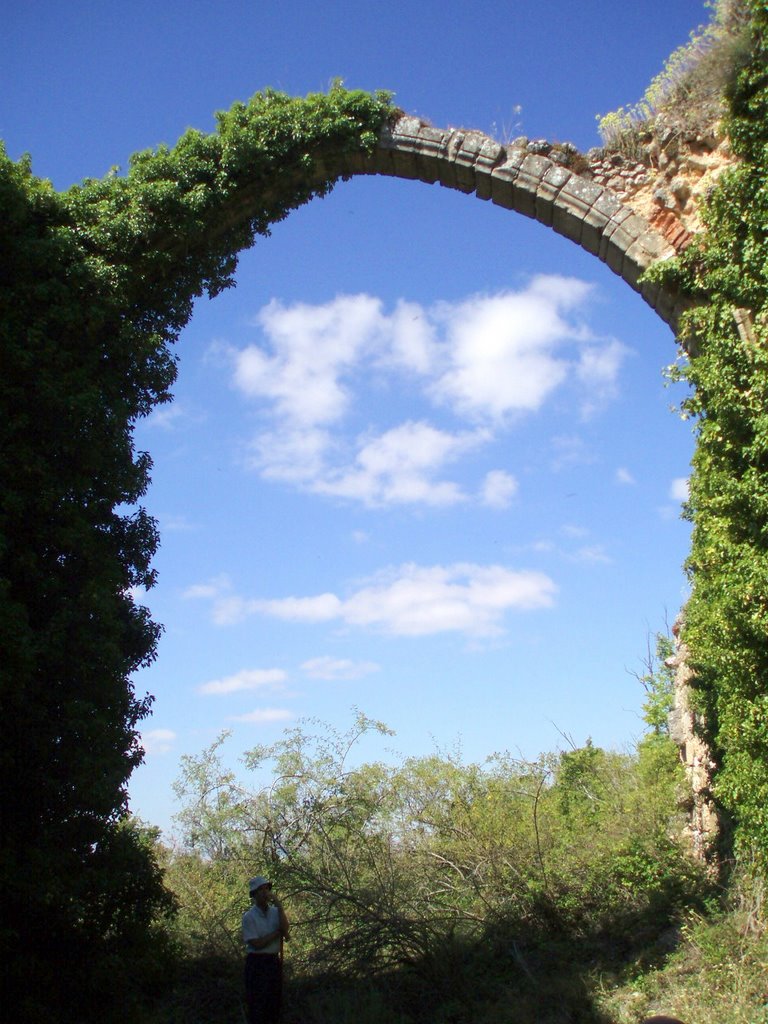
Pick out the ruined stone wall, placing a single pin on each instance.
(662, 179)
(686, 727)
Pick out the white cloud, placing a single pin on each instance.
(593, 554)
(264, 716)
(486, 358)
(410, 600)
(397, 467)
(176, 524)
(678, 490)
(312, 347)
(506, 352)
(574, 531)
(499, 488)
(158, 741)
(321, 608)
(166, 416)
(338, 668)
(415, 600)
(412, 339)
(228, 608)
(212, 588)
(292, 455)
(623, 476)
(598, 369)
(246, 679)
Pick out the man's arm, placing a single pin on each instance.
(285, 928)
(263, 940)
(253, 938)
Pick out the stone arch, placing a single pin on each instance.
(594, 217)
(548, 191)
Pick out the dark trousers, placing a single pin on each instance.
(263, 987)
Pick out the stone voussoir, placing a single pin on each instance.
(585, 211)
(549, 188)
(503, 177)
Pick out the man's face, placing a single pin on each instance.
(262, 896)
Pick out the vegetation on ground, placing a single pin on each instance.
(432, 889)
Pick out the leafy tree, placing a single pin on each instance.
(432, 864)
(95, 285)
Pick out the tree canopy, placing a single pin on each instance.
(95, 285)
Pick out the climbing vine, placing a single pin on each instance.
(95, 285)
(726, 336)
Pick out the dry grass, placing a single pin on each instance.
(687, 98)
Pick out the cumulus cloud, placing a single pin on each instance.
(313, 347)
(338, 668)
(158, 741)
(623, 476)
(678, 490)
(499, 488)
(227, 608)
(176, 524)
(246, 679)
(502, 350)
(320, 608)
(486, 360)
(264, 716)
(296, 456)
(211, 589)
(398, 467)
(414, 600)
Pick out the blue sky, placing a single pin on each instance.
(421, 459)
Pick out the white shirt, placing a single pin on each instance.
(257, 923)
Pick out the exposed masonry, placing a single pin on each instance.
(588, 213)
(687, 729)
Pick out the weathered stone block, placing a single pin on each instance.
(546, 194)
(631, 271)
(407, 126)
(502, 178)
(592, 229)
(483, 183)
(405, 163)
(621, 232)
(611, 253)
(491, 154)
(582, 192)
(610, 205)
(639, 255)
(465, 170)
(533, 169)
(567, 221)
(655, 244)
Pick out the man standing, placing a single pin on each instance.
(264, 928)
